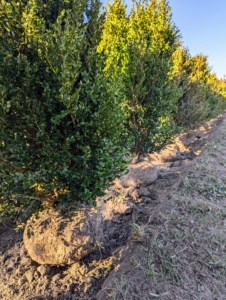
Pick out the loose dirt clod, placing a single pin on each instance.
(142, 173)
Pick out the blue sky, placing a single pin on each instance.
(203, 26)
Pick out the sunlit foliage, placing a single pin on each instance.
(80, 85)
(60, 115)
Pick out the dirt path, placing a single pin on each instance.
(163, 239)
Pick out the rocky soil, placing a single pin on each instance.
(162, 233)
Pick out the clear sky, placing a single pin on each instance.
(203, 27)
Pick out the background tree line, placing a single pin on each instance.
(82, 87)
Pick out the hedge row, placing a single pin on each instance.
(82, 88)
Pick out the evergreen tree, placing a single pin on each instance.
(140, 46)
(60, 114)
(202, 96)
(192, 107)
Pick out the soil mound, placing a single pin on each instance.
(56, 240)
(142, 173)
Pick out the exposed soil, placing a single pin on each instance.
(164, 233)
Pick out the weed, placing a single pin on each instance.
(119, 289)
(138, 232)
(136, 263)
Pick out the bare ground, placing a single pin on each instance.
(164, 240)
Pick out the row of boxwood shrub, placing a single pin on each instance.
(82, 88)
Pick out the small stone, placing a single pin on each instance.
(56, 277)
(25, 261)
(43, 270)
(30, 276)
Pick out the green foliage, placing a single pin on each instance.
(78, 87)
(202, 95)
(60, 114)
(216, 96)
(140, 47)
(192, 105)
